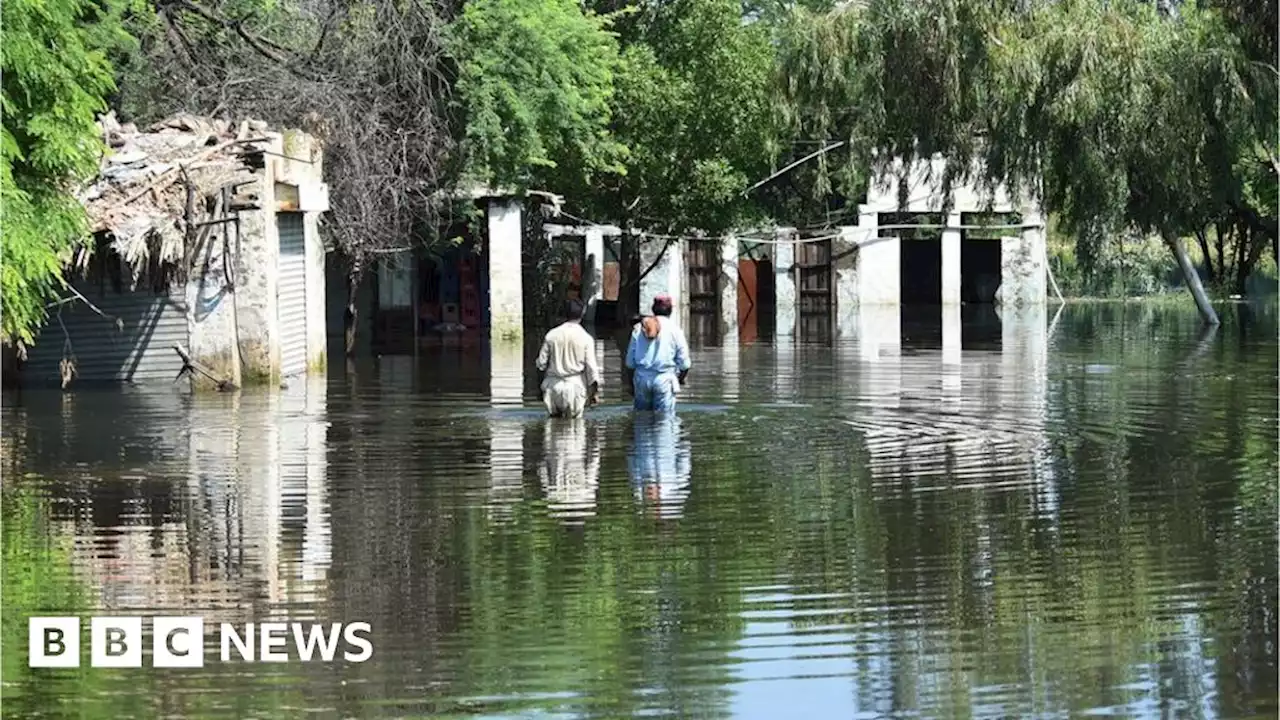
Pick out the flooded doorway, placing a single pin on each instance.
(756, 305)
(813, 291)
(920, 279)
(702, 258)
(980, 277)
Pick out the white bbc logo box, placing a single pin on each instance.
(54, 642)
(177, 642)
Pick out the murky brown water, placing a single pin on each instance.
(1087, 528)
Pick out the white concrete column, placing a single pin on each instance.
(879, 306)
(784, 284)
(667, 275)
(317, 337)
(951, 334)
(951, 339)
(729, 368)
(879, 331)
(593, 273)
(506, 467)
(951, 260)
(506, 374)
(729, 290)
(506, 287)
(784, 369)
(844, 273)
(317, 539)
(1022, 264)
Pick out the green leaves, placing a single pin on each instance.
(55, 81)
(1119, 116)
(536, 80)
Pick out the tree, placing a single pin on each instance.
(368, 78)
(692, 107)
(535, 80)
(1113, 114)
(56, 78)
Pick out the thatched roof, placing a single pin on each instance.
(139, 197)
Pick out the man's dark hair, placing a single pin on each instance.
(573, 310)
(662, 306)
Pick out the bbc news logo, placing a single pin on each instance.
(179, 642)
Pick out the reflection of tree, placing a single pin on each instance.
(928, 574)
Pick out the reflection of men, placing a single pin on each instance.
(659, 357)
(570, 470)
(568, 358)
(659, 462)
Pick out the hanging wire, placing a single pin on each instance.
(746, 237)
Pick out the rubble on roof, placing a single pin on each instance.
(139, 196)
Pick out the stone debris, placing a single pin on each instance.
(139, 196)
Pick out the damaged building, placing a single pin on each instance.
(205, 243)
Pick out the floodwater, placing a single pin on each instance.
(1075, 521)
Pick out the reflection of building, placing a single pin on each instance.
(570, 470)
(233, 509)
(980, 422)
(660, 463)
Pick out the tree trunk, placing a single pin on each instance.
(1192, 278)
(352, 316)
(628, 282)
(1204, 249)
(1224, 230)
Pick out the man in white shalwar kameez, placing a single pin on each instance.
(571, 378)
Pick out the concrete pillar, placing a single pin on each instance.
(879, 306)
(317, 551)
(844, 274)
(593, 273)
(667, 275)
(951, 334)
(729, 368)
(317, 339)
(951, 260)
(506, 289)
(506, 466)
(784, 284)
(729, 290)
(1022, 265)
(951, 339)
(506, 374)
(784, 369)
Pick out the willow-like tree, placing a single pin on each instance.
(1115, 115)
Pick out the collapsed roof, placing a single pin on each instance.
(139, 199)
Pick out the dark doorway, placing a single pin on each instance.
(979, 279)
(920, 278)
(980, 276)
(702, 258)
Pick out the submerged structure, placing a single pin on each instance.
(899, 268)
(205, 239)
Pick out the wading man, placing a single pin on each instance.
(657, 358)
(571, 377)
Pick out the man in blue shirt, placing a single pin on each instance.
(658, 357)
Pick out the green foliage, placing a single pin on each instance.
(692, 106)
(1115, 115)
(55, 80)
(536, 79)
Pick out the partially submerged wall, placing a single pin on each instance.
(240, 321)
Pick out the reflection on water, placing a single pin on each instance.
(659, 461)
(1077, 517)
